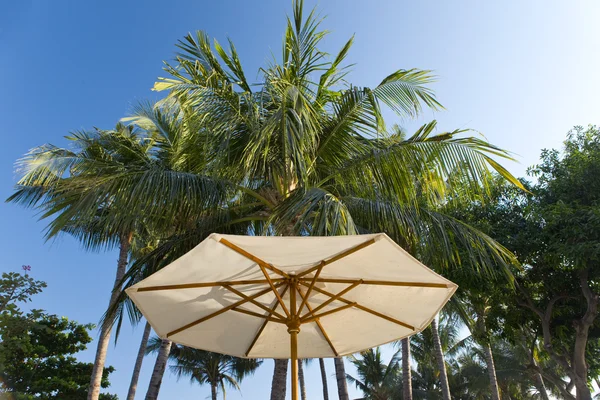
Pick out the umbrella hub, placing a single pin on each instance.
(293, 324)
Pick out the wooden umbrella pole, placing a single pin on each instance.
(293, 329)
(294, 345)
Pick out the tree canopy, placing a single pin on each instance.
(37, 349)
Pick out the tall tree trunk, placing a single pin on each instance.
(406, 371)
(340, 375)
(540, 386)
(439, 356)
(213, 390)
(580, 365)
(104, 338)
(491, 367)
(138, 362)
(159, 370)
(582, 390)
(301, 379)
(324, 379)
(279, 383)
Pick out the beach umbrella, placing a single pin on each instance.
(291, 297)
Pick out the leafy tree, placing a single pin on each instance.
(36, 348)
(554, 231)
(562, 288)
(15, 287)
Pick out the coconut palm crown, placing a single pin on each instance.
(301, 152)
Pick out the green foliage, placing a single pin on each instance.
(205, 367)
(375, 378)
(37, 349)
(554, 231)
(15, 287)
(302, 152)
(568, 193)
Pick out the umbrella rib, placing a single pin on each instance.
(337, 296)
(363, 308)
(384, 283)
(324, 314)
(263, 267)
(252, 257)
(275, 291)
(205, 284)
(325, 335)
(312, 283)
(257, 315)
(337, 257)
(256, 303)
(221, 311)
(275, 303)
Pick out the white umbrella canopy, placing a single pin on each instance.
(271, 297)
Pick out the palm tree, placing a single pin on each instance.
(441, 363)
(124, 304)
(138, 362)
(85, 189)
(163, 348)
(375, 379)
(427, 376)
(324, 379)
(301, 381)
(478, 306)
(105, 222)
(467, 367)
(515, 380)
(340, 376)
(316, 153)
(205, 367)
(278, 384)
(406, 370)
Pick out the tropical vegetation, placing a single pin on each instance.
(302, 151)
(204, 367)
(535, 337)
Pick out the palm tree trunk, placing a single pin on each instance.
(159, 370)
(406, 371)
(489, 361)
(301, 379)
(278, 385)
(213, 391)
(340, 375)
(324, 379)
(439, 356)
(104, 339)
(138, 362)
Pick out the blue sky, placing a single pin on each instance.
(520, 72)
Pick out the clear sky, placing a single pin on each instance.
(520, 72)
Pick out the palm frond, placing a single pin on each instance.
(435, 238)
(314, 211)
(422, 165)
